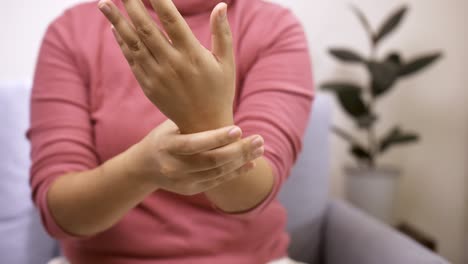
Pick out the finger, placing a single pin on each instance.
(235, 154)
(147, 29)
(189, 144)
(136, 68)
(221, 35)
(140, 53)
(176, 27)
(216, 181)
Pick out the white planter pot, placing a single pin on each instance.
(373, 190)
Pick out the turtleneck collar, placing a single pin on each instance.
(190, 7)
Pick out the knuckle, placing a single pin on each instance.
(167, 18)
(219, 171)
(114, 19)
(117, 21)
(245, 150)
(146, 30)
(212, 160)
(226, 33)
(135, 45)
(196, 61)
(166, 170)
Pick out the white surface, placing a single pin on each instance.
(433, 187)
(285, 261)
(373, 191)
(60, 260)
(23, 25)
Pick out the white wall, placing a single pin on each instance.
(23, 25)
(433, 185)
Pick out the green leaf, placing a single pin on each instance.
(366, 121)
(350, 99)
(419, 63)
(397, 137)
(356, 149)
(390, 24)
(361, 153)
(339, 86)
(384, 75)
(346, 55)
(394, 57)
(364, 21)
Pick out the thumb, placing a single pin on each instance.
(221, 35)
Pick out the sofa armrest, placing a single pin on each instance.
(352, 237)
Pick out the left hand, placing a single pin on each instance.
(189, 164)
(191, 85)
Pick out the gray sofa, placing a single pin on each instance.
(322, 231)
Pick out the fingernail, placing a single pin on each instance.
(222, 13)
(257, 142)
(235, 132)
(258, 152)
(104, 7)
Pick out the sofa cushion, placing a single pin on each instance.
(14, 153)
(23, 239)
(305, 194)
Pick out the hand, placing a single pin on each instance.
(189, 164)
(191, 85)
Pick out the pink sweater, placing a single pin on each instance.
(87, 107)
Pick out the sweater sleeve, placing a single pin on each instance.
(60, 132)
(276, 97)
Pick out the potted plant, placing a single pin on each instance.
(369, 185)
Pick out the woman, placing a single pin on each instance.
(143, 164)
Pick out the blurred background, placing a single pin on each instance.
(431, 193)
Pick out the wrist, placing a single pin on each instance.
(210, 122)
(133, 165)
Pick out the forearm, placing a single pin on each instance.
(246, 191)
(90, 202)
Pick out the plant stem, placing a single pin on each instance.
(371, 134)
(346, 136)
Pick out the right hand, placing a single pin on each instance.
(189, 164)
